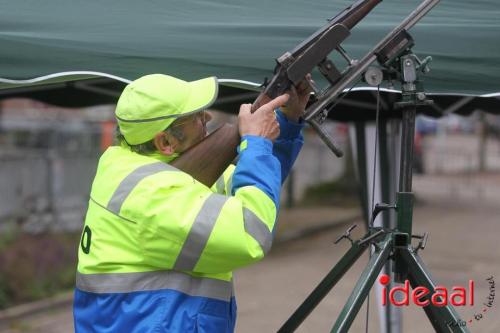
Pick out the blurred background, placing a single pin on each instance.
(49, 155)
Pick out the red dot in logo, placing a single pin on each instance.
(384, 279)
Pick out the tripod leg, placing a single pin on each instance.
(440, 317)
(323, 288)
(363, 286)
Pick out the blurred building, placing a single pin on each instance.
(48, 157)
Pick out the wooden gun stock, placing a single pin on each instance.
(207, 160)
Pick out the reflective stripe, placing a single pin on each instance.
(256, 228)
(200, 232)
(128, 183)
(149, 281)
(219, 185)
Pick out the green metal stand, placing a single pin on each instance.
(389, 244)
(363, 286)
(324, 286)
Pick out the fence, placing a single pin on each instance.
(459, 153)
(460, 167)
(42, 190)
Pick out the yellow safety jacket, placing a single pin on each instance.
(158, 247)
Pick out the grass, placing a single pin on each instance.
(33, 267)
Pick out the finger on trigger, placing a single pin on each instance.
(279, 101)
(275, 103)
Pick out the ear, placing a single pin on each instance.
(165, 144)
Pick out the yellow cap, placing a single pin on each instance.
(151, 103)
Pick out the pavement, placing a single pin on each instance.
(297, 223)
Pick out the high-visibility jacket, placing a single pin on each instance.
(158, 247)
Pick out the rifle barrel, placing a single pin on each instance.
(361, 9)
(349, 17)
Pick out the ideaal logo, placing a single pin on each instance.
(440, 296)
(458, 297)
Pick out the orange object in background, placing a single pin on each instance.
(107, 134)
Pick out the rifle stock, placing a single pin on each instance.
(207, 160)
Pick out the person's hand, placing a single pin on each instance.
(299, 96)
(263, 121)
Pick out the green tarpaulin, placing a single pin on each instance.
(235, 39)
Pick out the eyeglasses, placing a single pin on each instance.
(202, 115)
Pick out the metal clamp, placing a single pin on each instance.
(422, 243)
(346, 235)
(380, 207)
(371, 238)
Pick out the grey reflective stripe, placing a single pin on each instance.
(149, 281)
(219, 185)
(256, 228)
(200, 232)
(145, 120)
(128, 183)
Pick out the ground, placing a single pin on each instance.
(463, 245)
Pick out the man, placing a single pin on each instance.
(158, 248)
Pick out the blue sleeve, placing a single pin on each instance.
(257, 166)
(287, 146)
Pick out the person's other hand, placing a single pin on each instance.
(299, 96)
(263, 121)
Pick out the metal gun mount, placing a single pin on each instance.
(388, 52)
(386, 245)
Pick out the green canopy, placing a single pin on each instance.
(234, 39)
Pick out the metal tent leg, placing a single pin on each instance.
(324, 287)
(440, 317)
(363, 286)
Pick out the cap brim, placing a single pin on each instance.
(202, 95)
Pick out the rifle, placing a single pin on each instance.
(293, 66)
(214, 154)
